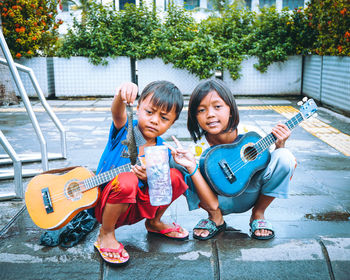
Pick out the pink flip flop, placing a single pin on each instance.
(114, 261)
(164, 232)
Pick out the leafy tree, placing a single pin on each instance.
(107, 33)
(229, 32)
(29, 26)
(330, 20)
(7, 93)
(270, 39)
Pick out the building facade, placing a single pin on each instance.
(200, 8)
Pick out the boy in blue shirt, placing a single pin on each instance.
(125, 200)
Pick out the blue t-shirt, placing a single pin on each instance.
(111, 157)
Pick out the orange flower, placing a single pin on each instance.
(343, 11)
(34, 38)
(4, 9)
(18, 55)
(340, 48)
(29, 52)
(347, 34)
(18, 40)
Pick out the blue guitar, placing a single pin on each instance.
(228, 168)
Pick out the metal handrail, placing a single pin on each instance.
(17, 165)
(44, 103)
(24, 96)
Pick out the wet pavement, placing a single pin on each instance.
(312, 226)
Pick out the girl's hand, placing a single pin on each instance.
(127, 92)
(282, 133)
(183, 157)
(140, 171)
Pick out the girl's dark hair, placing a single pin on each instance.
(165, 95)
(200, 92)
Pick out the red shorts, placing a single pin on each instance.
(128, 191)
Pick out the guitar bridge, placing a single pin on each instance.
(227, 171)
(47, 200)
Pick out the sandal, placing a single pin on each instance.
(119, 261)
(261, 224)
(175, 228)
(210, 226)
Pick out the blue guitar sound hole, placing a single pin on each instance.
(250, 153)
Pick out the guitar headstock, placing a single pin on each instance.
(308, 108)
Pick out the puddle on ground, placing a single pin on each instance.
(329, 216)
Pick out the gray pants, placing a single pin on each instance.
(272, 181)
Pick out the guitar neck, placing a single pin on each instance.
(270, 139)
(105, 177)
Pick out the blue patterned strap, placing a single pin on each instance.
(261, 224)
(206, 224)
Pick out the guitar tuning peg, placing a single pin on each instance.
(304, 99)
(300, 103)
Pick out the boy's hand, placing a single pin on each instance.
(140, 171)
(127, 92)
(183, 157)
(282, 133)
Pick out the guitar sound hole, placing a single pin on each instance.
(250, 153)
(73, 191)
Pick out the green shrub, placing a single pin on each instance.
(219, 42)
(331, 21)
(107, 33)
(181, 43)
(301, 33)
(229, 32)
(270, 39)
(93, 38)
(29, 26)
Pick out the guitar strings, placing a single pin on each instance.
(85, 186)
(235, 165)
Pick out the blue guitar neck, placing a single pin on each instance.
(268, 140)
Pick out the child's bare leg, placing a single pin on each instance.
(156, 224)
(106, 238)
(258, 212)
(213, 214)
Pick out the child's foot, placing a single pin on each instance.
(110, 247)
(263, 229)
(215, 217)
(173, 231)
(206, 229)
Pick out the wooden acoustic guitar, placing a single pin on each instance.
(228, 168)
(53, 200)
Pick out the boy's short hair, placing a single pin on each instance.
(198, 94)
(165, 95)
